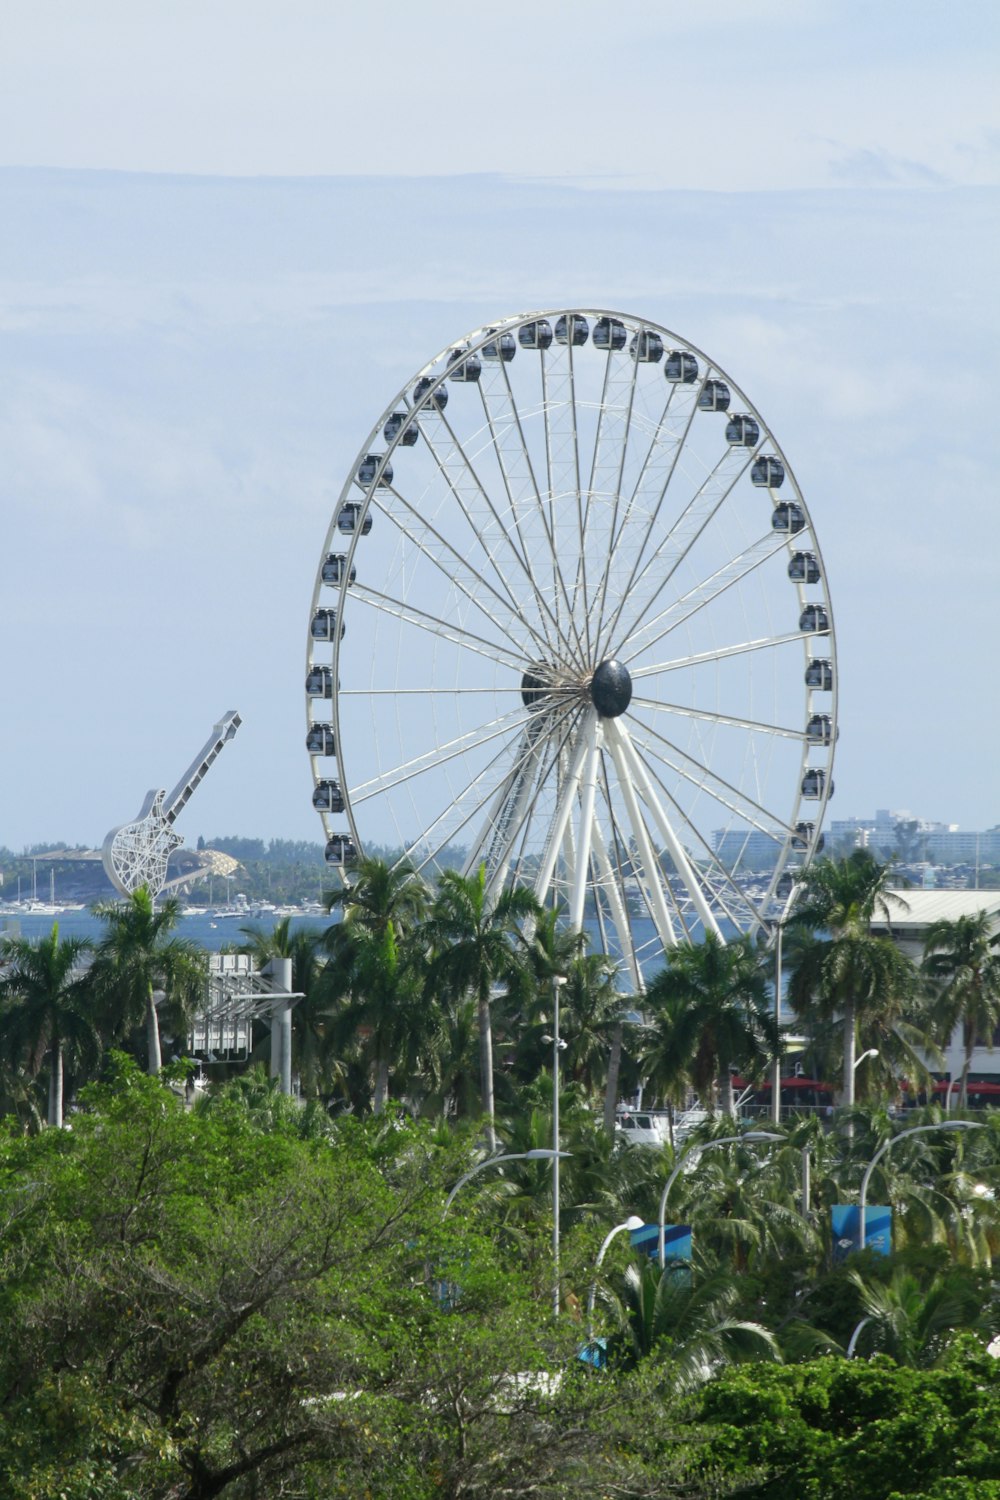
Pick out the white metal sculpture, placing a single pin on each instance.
(136, 853)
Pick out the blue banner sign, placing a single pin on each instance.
(878, 1229)
(676, 1241)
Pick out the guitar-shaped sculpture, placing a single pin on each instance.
(136, 853)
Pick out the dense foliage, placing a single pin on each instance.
(250, 1295)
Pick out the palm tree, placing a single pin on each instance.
(46, 1008)
(374, 975)
(916, 1324)
(710, 1015)
(472, 942)
(961, 964)
(139, 955)
(690, 1325)
(850, 971)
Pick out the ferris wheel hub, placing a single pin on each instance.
(611, 688)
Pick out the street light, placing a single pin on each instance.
(541, 1153)
(914, 1130)
(631, 1223)
(726, 1140)
(558, 1046)
(872, 1052)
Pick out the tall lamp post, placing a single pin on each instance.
(631, 1223)
(914, 1130)
(558, 1046)
(542, 1153)
(726, 1140)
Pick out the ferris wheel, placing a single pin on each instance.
(571, 624)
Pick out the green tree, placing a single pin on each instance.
(849, 972)
(689, 1324)
(374, 975)
(961, 962)
(140, 954)
(46, 1008)
(710, 1016)
(474, 951)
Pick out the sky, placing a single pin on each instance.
(233, 230)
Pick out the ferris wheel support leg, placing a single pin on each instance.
(279, 971)
(677, 851)
(528, 774)
(567, 794)
(650, 863)
(589, 784)
(619, 914)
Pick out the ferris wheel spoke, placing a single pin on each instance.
(653, 631)
(446, 630)
(703, 778)
(514, 458)
(482, 783)
(654, 705)
(721, 653)
(498, 438)
(665, 560)
(431, 760)
(456, 569)
(614, 888)
(646, 864)
(678, 853)
(562, 472)
(723, 876)
(561, 733)
(462, 479)
(652, 485)
(516, 794)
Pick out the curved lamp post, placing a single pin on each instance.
(914, 1130)
(726, 1140)
(632, 1222)
(542, 1153)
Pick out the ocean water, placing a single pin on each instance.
(213, 932)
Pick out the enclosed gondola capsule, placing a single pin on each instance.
(814, 783)
(334, 565)
(814, 620)
(681, 368)
(742, 431)
(803, 836)
(803, 567)
(819, 674)
(400, 422)
(319, 682)
(340, 850)
(324, 625)
(768, 473)
(647, 347)
(464, 366)
(787, 517)
(572, 329)
(715, 395)
(537, 335)
(368, 468)
(502, 348)
(320, 740)
(347, 520)
(327, 797)
(423, 385)
(819, 730)
(610, 333)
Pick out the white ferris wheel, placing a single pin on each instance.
(571, 623)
